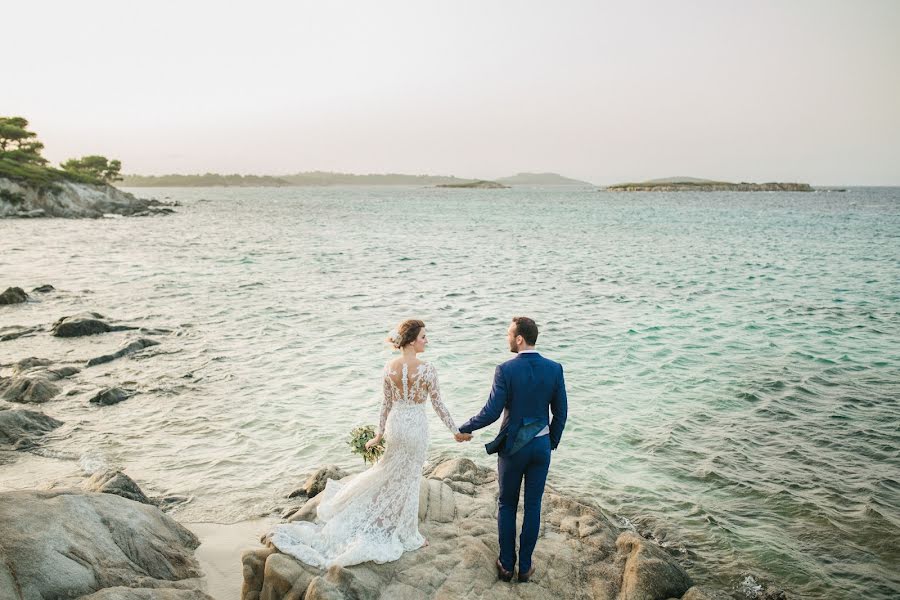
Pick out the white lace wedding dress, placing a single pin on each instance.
(375, 515)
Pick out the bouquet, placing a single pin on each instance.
(358, 439)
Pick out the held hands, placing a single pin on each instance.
(373, 442)
(462, 437)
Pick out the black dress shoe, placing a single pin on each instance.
(503, 574)
(524, 577)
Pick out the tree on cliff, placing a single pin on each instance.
(95, 167)
(18, 144)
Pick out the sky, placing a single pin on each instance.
(786, 90)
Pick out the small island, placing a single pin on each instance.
(477, 184)
(693, 184)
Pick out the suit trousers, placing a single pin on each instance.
(531, 463)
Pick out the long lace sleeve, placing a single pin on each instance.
(386, 403)
(434, 391)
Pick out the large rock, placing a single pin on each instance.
(115, 482)
(32, 362)
(649, 572)
(13, 295)
(577, 556)
(28, 389)
(66, 544)
(130, 348)
(21, 428)
(109, 396)
(33, 384)
(89, 323)
(315, 483)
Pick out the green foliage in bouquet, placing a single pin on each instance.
(358, 439)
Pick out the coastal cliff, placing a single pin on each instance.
(69, 199)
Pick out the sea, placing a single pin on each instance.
(732, 360)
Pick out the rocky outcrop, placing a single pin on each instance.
(581, 553)
(315, 483)
(12, 332)
(20, 429)
(32, 382)
(109, 396)
(70, 544)
(130, 348)
(72, 200)
(13, 295)
(33, 385)
(115, 482)
(86, 323)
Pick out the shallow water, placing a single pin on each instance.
(732, 359)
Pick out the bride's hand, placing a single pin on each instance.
(373, 442)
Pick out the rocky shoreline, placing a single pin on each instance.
(581, 554)
(102, 537)
(71, 200)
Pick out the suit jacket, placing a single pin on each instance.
(526, 390)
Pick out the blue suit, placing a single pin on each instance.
(526, 390)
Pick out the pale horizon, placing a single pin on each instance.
(770, 91)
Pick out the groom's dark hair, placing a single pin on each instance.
(527, 328)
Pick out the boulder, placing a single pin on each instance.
(21, 428)
(577, 555)
(315, 483)
(43, 289)
(32, 383)
(29, 389)
(130, 348)
(90, 323)
(13, 295)
(649, 572)
(67, 544)
(109, 396)
(115, 482)
(29, 363)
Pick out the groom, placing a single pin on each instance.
(524, 388)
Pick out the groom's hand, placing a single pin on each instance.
(462, 437)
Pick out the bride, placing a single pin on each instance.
(375, 515)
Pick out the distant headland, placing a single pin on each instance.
(326, 178)
(693, 184)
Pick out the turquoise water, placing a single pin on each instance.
(732, 360)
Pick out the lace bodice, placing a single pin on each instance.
(413, 390)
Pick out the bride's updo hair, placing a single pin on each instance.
(405, 333)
